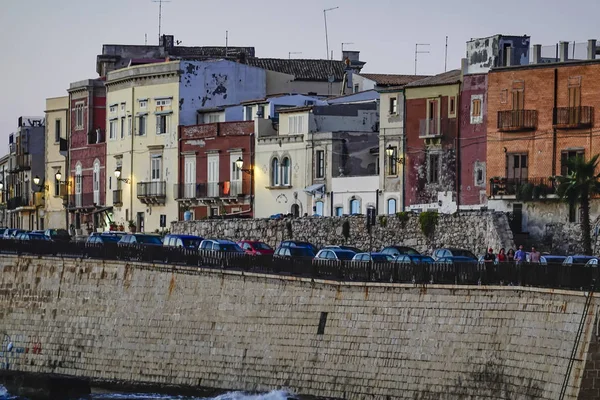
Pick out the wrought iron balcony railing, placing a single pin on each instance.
(517, 120)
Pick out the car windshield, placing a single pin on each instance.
(345, 255)
(109, 238)
(230, 247)
(261, 246)
(147, 239)
(36, 236)
(581, 260)
(301, 252)
(58, 232)
(191, 242)
(463, 253)
(421, 259)
(381, 257)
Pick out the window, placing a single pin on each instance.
(476, 113)
(319, 208)
(377, 165)
(479, 168)
(236, 173)
(296, 124)
(142, 125)
(78, 184)
(433, 168)
(516, 166)
(567, 155)
(143, 104)
(112, 109)
(129, 126)
(504, 96)
(261, 112)
(122, 108)
(393, 162)
(155, 167)
(518, 95)
(56, 186)
(213, 118)
(79, 116)
(354, 206)
(162, 124)
(57, 131)
(339, 211)
(163, 103)
(275, 172)
(248, 113)
(356, 88)
(112, 129)
(393, 105)
(213, 175)
(452, 105)
(110, 183)
(96, 182)
(391, 203)
(320, 164)
(286, 172)
(122, 128)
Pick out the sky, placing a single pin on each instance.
(48, 44)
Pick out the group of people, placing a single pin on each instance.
(519, 256)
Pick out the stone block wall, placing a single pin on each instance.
(475, 231)
(223, 329)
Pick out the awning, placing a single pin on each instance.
(312, 189)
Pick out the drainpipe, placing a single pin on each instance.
(403, 153)
(252, 157)
(67, 161)
(376, 201)
(554, 122)
(131, 157)
(331, 204)
(457, 151)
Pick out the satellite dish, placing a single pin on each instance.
(331, 78)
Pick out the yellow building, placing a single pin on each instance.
(57, 122)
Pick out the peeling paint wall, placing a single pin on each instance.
(486, 53)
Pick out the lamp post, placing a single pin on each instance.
(390, 152)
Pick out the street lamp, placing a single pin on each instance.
(58, 175)
(118, 175)
(390, 151)
(239, 163)
(36, 180)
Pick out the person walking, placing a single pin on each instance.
(489, 257)
(510, 256)
(502, 256)
(520, 255)
(534, 256)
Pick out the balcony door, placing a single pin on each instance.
(516, 167)
(433, 117)
(78, 186)
(213, 175)
(236, 175)
(189, 177)
(96, 182)
(155, 175)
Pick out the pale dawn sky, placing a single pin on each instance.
(48, 44)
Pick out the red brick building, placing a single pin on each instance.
(210, 180)
(87, 155)
(539, 116)
(431, 132)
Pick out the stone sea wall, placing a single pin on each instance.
(136, 322)
(475, 231)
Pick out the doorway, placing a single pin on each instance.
(140, 222)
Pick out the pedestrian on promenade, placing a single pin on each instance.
(534, 256)
(520, 255)
(502, 256)
(510, 256)
(489, 257)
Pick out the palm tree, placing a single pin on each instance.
(576, 188)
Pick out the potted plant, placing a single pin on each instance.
(121, 227)
(132, 226)
(112, 226)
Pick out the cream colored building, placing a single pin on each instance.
(4, 168)
(57, 123)
(145, 106)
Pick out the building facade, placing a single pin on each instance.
(4, 164)
(86, 200)
(57, 126)
(211, 180)
(25, 205)
(539, 116)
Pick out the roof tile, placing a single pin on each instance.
(302, 69)
(446, 78)
(393, 80)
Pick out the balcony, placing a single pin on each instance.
(22, 162)
(17, 202)
(118, 197)
(436, 127)
(212, 190)
(517, 120)
(152, 192)
(524, 189)
(573, 117)
(83, 200)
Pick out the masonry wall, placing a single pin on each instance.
(140, 323)
(475, 231)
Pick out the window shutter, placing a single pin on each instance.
(564, 157)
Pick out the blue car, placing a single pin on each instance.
(185, 241)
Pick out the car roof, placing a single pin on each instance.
(182, 236)
(459, 258)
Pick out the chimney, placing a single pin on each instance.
(509, 56)
(591, 49)
(351, 55)
(241, 58)
(563, 52)
(537, 53)
(464, 67)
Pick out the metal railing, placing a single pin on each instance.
(17, 201)
(187, 191)
(22, 162)
(517, 120)
(575, 277)
(532, 188)
(573, 117)
(152, 189)
(81, 200)
(118, 197)
(436, 127)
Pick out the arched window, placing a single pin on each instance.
(391, 206)
(339, 211)
(286, 172)
(78, 185)
(295, 210)
(275, 172)
(96, 182)
(354, 206)
(319, 208)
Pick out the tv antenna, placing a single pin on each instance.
(160, 2)
(417, 52)
(293, 52)
(343, 43)
(326, 34)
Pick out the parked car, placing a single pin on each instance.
(334, 255)
(256, 248)
(129, 246)
(592, 262)
(452, 252)
(58, 235)
(224, 246)
(457, 260)
(31, 236)
(375, 257)
(294, 253)
(99, 245)
(295, 243)
(109, 233)
(185, 241)
(11, 233)
(218, 252)
(546, 259)
(351, 248)
(413, 259)
(578, 260)
(395, 251)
